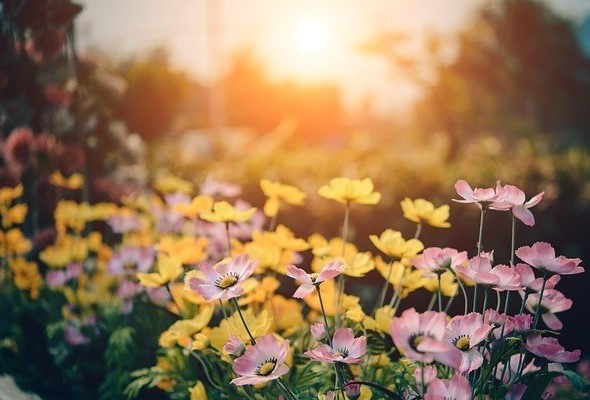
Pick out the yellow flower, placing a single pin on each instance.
(345, 190)
(393, 276)
(355, 314)
(260, 325)
(383, 318)
(287, 316)
(394, 245)
(168, 267)
(258, 292)
(356, 264)
(13, 242)
(26, 276)
(7, 194)
(198, 205)
(173, 184)
(198, 392)
(225, 212)
(190, 250)
(447, 283)
(423, 211)
(329, 296)
(277, 192)
(73, 182)
(182, 332)
(13, 215)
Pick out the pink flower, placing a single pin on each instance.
(234, 346)
(73, 336)
(550, 349)
(424, 375)
(522, 322)
(318, 331)
(514, 199)
(458, 388)
(465, 332)
(353, 391)
(130, 260)
(262, 362)
(503, 323)
(225, 189)
(514, 363)
(500, 277)
(541, 255)
(224, 280)
(477, 195)
(18, 149)
(345, 348)
(330, 270)
(125, 223)
(528, 280)
(421, 337)
(553, 302)
(435, 260)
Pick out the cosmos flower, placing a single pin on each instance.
(262, 362)
(541, 255)
(222, 281)
(477, 196)
(435, 260)
(309, 281)
(423, 211)
(168, 269)
(278, 193)
(345, 348)
(550, 349)
(393, 244)
(346, 190)
(514, 199)
(466, 332)
(530, 282)
(234, 346)
(130, 260)
(553, 302)
(225, 212)
(420, 337)
(458, 388)
(500, 277)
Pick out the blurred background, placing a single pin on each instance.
(414, 94)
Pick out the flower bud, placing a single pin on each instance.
(353, 391)
(318, 332)
(234, 346)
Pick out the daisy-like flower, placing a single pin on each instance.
(478, 196)
(514, 199)
(309, 281)
(225, 212)
(553, 302)
(278, 193)
(222, 281)
(131, 259)
(503, 324)
(500, 277)
(541, 255)
(393, 244)
(465, 332)
(262, 362)
(346, 190)
(423, 211)
(435, 260)
(532, 284)
(168, 269)
(345, 348)
(550, 349)
(195, 207)
(421, 337)
(458, 388)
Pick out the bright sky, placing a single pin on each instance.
(298, 39)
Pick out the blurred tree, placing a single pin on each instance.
(155, 94)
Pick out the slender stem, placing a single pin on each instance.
(418, 230)
(222, 309)
(228, 239)
(234, 301)
(345, 226)
(524, 298)
(451, 300)
(324, 315)
(512, 245)
(485, 299)
(439, 295)
(538, 310)
(480, 237)
(475, 297)
(463, 290)
(273, 222)
(498, 300)
(432, 301)
(381, 298)
(286, 389)
(341, 278)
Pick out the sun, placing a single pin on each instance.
(311, 35)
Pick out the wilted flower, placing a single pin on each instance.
(420, 337)
(435, 260)
(550, 349)
(345, 348)
(279, 192)
(346, 190)
(262, 362)
(465, 332)
(514, 199)
(458, 388)
(330, 270)
(422, 211)
(222, 281)
(541, 255)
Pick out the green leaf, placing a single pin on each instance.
(579, 383)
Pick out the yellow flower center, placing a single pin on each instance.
(267, 367)
(227, 281)
(462, 343)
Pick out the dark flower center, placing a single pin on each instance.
(266, 367)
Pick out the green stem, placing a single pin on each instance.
(480, 237)
(512, 245)
(439, 295)
(432, 301)
(222, 309)
(235, 303)
(341, 282)
(485, 299)
(462, 289)
(381, 298)
(538, 310)
(324, 315)
(499, 301)
(228, 239)
(418, 230)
